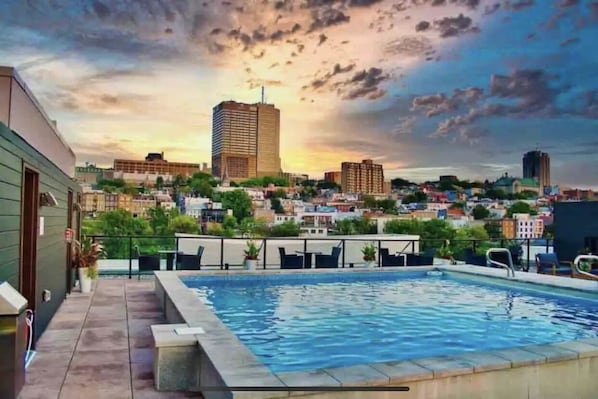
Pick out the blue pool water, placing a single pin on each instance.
(297, 322)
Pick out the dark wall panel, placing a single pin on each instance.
(51, 248)
(574, 221)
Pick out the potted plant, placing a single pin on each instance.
(369, 254)
(251, 255)
(85, 259)
(585, 265)
(445, 252)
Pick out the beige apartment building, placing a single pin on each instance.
(363, 178)
(155, 164)
(245, 140)
(94, 201)
(140, 206)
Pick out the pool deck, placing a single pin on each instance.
(99, 345)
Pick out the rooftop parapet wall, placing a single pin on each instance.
(23, 114)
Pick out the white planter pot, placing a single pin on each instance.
(84, 281)
(370, 264)
(250, 264)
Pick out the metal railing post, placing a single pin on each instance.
(528, 249)
(343, 257)
(379, 257)
(221, 252)
(305, 246)
(265, 245)
(473, 245)
(547, 244)
(413, 245)
(131, 257)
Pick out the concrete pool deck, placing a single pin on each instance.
(556, 370)
(99, 345)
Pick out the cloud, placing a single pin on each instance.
(530, 86)
(520, 4)
(321, 39)
(364, 84)
(422, 26)
(336, 70)
(570, 41)
(471, 135)
(323, 18)
(404, 126)
(454, 26)
(435, 104)
(413, 46)
(253, 83)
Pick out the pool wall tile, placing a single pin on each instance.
(400, 372)
(552, 353)
(445, 366)
(484, 361)
(362, 374)
(519, 357)
(583, 350)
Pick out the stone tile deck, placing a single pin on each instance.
(99, 345)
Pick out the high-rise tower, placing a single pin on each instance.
(536, 165)
(245, 140)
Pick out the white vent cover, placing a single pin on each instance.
(11, 301)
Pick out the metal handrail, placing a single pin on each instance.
(509, 267)
(578, 259)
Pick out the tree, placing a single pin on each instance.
(184, 224)
(446, 186)
(202, 187)
(237, 200)
(400, 183)
(159, 220)
(418, 196)
(480, 212)
(250, 227)
(548, 231)
(345, 227)
(159, 182)
(179, 180)
(279, 193)
(364, 225)
(327, 185)
(121, 223)
(457, 205)
(389, 205)
(369, 201)
(276, 205)
(520, 207)
(496, 194)
(402, 226)
(493, 229)
(286, 229)
(230, 225)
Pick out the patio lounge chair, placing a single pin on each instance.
(146, 263)
(419, 260)
(328, 261)
(550, 264)
(189, 261)
(290, 261)
(471, 258)
(389, 260)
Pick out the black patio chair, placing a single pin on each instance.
(389, 260)
(328, 261)
(189, 261)
(550, 264)
(146, 263)
(419, 260)
(290, 261)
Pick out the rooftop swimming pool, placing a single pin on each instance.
(320, 320)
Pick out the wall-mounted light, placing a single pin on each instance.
(47, 199)
(77, 207)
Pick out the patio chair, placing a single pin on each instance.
(502, 257)
(146, 263)
(549, 264)
(290, 261)
(328, 261)
(471, 258)
(189, 261)
(419, 260)
(389, 260)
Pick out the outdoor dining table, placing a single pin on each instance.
(307, 257)
(170, 253)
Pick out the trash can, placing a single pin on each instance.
(13, 341)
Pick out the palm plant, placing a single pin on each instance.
(369, 252)
(86, 254)
(252, 251)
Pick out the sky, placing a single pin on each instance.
(425, 87)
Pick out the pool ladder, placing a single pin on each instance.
(581, 272)
(509, 267)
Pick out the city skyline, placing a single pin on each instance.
(460, 88)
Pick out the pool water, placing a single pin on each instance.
(299, 322)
